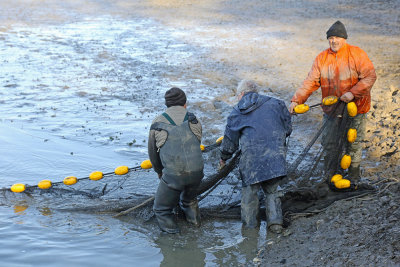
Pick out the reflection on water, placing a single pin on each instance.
(20, 208)
(74, 236)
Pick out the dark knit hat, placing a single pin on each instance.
(337, 29)
(175, 97)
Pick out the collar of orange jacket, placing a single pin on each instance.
(343, 48)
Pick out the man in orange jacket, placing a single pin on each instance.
(344, 71)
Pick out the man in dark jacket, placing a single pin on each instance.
(260, 125)
(174, 151)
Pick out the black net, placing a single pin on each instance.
(333, 138)
(219, 193)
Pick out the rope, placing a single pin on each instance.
(135, 168)
(135, 207)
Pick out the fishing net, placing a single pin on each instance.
(219, 192)
(114, 193)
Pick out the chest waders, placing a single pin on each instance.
(183, 165)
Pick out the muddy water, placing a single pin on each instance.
(77, 97)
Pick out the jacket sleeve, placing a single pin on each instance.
(195, 126)
(230, 143)
(311, 83)
(153, 153)
(366, 73)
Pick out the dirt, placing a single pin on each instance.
(275, 43)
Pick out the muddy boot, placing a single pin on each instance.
(354, 174)
(249, 206)
(165, 201)
(276, 228)
(190, 205)
(274, 213)
(192, 212)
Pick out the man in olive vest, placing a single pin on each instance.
(174, 151)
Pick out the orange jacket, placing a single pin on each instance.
(348, 70)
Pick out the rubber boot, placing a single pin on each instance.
(273, 211)
(249, 206)
(190, 205)
(192, 211)
(354, 174)
(165, 201)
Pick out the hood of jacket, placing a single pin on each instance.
(251, 101)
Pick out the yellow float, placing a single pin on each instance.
(352, 109)
(146, 164)
(342, 184)
(351, 135)
(18, 188)
(345, 162)
(121, 170)
(329, 100)
(95, 176)
(336, 178)
(202, 147)
(70, 180)
(302, 108)
(44, 184)
(219, 140)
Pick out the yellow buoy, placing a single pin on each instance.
(18, 188)
(44, 184)
(345, 162)
(70, 180)
(202, 147)
(302, 108)
(342, 183)
(329, 100)
(351, 135)
(146, 164)
(352, 109)
(95, 176)
(121, 170)
(336, 178)
(219, 140)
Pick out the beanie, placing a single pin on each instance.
(175, 97)
(337, 29)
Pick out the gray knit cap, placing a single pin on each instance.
(337, 29)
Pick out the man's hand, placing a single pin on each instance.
(221, 163)
(292, 106)
(159, 175)
(347, 97)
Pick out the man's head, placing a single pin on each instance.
(246, 86)
(336, 36)
(175, 97)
